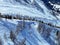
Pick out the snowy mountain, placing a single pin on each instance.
(39, 23)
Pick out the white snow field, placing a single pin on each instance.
(36, 9)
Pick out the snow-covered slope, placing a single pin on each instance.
(29, 34)
(21, 7)
(10, 8)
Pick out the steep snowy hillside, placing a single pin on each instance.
(19, 32)
(28, 35)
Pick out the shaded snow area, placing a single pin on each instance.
(19, 32)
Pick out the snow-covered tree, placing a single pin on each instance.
(20, 26)
(58, 37)
(1, 42)
(12, 36)
(0, 14)
(48, 31)
(41, 27)
(5, 36)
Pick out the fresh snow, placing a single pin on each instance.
(30, 31)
